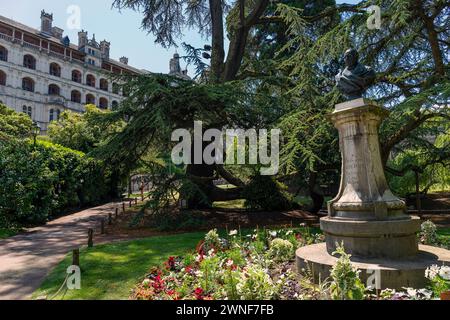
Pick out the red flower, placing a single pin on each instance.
(198, 293)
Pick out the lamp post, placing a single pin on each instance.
(36, 131)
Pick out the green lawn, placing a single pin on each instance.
(6, 233)
(111, 271)
(233, 204)
(444, 233)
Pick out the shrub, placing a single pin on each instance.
(39, 181)
(346, 284)
(281, 250)
(428, 233)
(439, 278)
(264, 193)
(255, 284)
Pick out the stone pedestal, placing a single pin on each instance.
(365, 216)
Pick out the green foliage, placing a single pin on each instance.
(428, 234)
(79, 131)
(264, 193)
(14, 125)
(212, 240)
(346, 284)
(439, 279)
(430, 158)
(255, 284)
(281, 250)
(40, 181)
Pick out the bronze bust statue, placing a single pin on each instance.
(354, 80)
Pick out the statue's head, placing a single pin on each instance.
(351, 58)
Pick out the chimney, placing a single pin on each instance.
(124, 60)
(175, 64)
(46, 22)
(104, 48)
(57, 32)
(82, 38)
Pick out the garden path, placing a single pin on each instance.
(27, 258)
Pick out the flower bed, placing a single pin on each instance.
(261, 266)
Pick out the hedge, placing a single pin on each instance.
(40, 181)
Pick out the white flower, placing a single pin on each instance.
(432, 272)
(289, 232)
(198, 273)
(229, 263)
(211, 253)
(411, 292)
(233, 233)
(198, 258)
(273, 234)
(445, 272)
(426, 293)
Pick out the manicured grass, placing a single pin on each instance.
(232, 204)
(6, 233)
(110, 272)
(444, 232)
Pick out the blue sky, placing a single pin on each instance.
(122, 29)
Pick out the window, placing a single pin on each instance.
(115, 88)
(51, 116)
(58, 114)
(2, 78)
(75, 96)
(3, 54)
(90, 80)
(28, 84)
(104, 84)
(53, 90)
(90, 99)
(115, 105)
(76, 76)
(125, 92)
(103, 103)
(55, 70)
(28, 111)
(29, 62)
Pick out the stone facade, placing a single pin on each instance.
(43, 74)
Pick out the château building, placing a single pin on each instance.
(42, 73)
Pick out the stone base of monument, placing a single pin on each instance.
(392, 273)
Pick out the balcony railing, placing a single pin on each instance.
(58, 100)
(57, 55)
(5, 37)
(32, 46)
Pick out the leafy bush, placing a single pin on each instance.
(346, 284)
(439, 278)
(39, 181)
(255, 284)
(264, 193)
(428, 233)
(14, 125)
(281, 250)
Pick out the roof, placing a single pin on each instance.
(47, 37)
